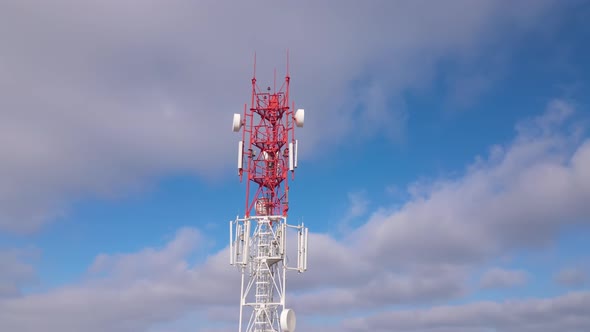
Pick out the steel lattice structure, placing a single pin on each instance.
(258, 241)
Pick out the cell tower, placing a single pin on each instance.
(258, 241)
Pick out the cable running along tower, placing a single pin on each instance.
(267, 156)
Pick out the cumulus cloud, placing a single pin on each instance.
(129, 292)
(16, 270)
(149, 261)
(358, 204)
(100, 99)
(501, 278)
(572, 277)
(570, 312)
(517, 197)
(384, 289)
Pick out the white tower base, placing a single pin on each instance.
(258, 247)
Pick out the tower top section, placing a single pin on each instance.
(267, 152)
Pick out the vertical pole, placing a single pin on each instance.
(283, 291)
(241, 300)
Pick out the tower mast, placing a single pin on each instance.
(267, 154)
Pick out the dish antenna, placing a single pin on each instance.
(288, 320)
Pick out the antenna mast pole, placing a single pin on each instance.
(258, 241)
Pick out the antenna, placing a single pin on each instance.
(254, 74)
(287, 62)
(267, 154)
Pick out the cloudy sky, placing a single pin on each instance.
(444, 166)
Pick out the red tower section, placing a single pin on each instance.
(269, 147)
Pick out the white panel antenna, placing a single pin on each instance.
(296, 145)
(237, 122)
(240, 155)
(291, 158)
(300, 117)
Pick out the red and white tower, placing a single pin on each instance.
(267, 156)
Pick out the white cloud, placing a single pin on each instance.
(502, 278)
(152, 262)
(358, 204)
(570, 312)
(420, 286)
(128, 292)
(16, 270)
(572, 277)
(100, 99)
(519, 197)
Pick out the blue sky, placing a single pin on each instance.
(444, 170)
